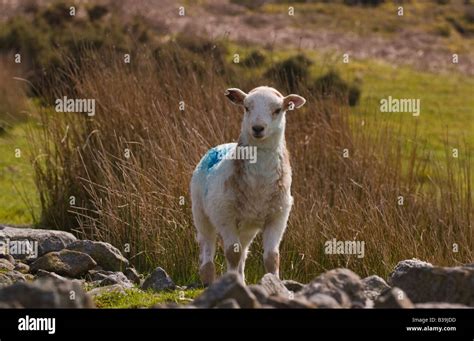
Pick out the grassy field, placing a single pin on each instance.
(143, 200)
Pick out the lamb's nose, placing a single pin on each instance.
(257, 129)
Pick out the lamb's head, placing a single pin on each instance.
(265, 110)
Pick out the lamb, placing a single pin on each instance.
(237, 198)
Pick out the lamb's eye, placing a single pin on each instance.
(276, 112)
(246, 109)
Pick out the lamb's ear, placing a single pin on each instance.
(293, 101)
(236, 96)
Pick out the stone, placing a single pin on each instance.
(274, 286)
(229, 303)
(403, 266)
(229, 285)
(52, 275)
(436, 284)
(107, 256)
(341, 284)
(394, 298)
(5, 265)
(7, 257)
(293, 286)
(65, 263)
(115, 288)
(48, 240)
(22, 267)
(133, 275)
(158, 280)
(45, 293)
(10, 277)
(259, 291)
(105, 278)
(283, 302)
(374, 286)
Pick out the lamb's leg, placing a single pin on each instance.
(245, 241)
(232, 248)
(206, 237)
(272, 235)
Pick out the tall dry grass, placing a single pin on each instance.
(137, 202)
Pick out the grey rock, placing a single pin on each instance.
(274, 286)
(259, 291)
(7, 257)
(229, 285)
(293, 286)
(394, 298)
(10, 277)
(158, 280)
(106, 255)
(22, 267)
(403, 266)
(65, 262)
(341, 284)
(105, 278)
(48, 240)
(114, 288)
(229, 303)
(133, 275)
(324, 301)
(283, 302)
(436, 284)
(374, 286)
(51, 275)
(45, 293)
(5, 265)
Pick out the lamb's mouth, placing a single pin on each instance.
(258, 136)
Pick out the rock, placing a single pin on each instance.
(259, 291)
(229, 303)
(394, 298)
(65, 262)
(22, 267)
(10, 277)
(440, 305)
(5, 265)
(105, 278)
(7, 257)
(48, 240)
(436, 284)
(274, 286)
(403, 266)
(293, 286)
(283, 302)
(341, 284)
(45, 293)
(158, 280)
(324, 301)
(115, 288)
(51, 275)
(374, 286)
(133, 275)
(229, 285)
(107, 256)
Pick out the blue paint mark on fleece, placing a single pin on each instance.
(213, 157)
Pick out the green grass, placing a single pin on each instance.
(18, 199)
(134, 298)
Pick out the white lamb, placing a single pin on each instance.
(238, 197)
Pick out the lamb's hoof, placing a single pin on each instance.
(207, 273)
